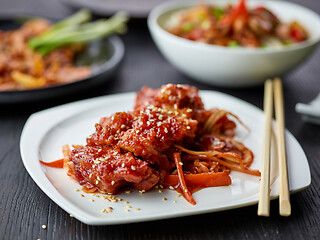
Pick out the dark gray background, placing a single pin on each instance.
(24, 207)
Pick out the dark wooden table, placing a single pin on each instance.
(24, 207)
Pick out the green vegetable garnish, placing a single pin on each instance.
(187, 27)
(217, 12)
(233, 43)
(77, 29)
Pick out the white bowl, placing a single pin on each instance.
(233, 67)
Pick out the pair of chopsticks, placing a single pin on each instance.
(274, 87)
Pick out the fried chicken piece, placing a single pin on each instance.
(108, 169)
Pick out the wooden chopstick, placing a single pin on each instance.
(284, 194)
(264, 197)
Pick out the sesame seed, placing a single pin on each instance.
(44, 226)
(175, 106)
(176, 113)
(127, 210)
(98, 178)
(184, 115)
(148, 123)
(171, 187)
(165, 130)
(179, 195)
(91, 200)
(133, 168)
(71, 216)
(81, 195)
(112, 118)
(123, 126)
(159, 124)
(103, 210)
(174, 201)
(188, 127)
(128, 206)
(113, 182)
(126, 202)
(160, 117)
(160, 186)
(110, 209)
(189, 110)
(77, 190)
(120, 199)
(100, 150)
(122, 165)
(180, 163)
(164, 199)
(97, 182)
(186, 190)
(137, 131)
(160, 191)
(137, 209)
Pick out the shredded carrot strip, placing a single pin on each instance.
(185, 191)
(210, 179)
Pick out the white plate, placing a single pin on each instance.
(45, 132)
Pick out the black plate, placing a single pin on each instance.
(103, 56)
(136, 8)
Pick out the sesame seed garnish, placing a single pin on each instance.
(81, 195)
(113, 182)
(123, 126)
(171, 187)
(97, 182)
(179, 195)
(92, 194)
(137, 209)
(156, 187)
(71, 216)
(188, 127)
(175, 106)
(148, 123)
(160, 191)
(164, 199)
(142, 191)
(137, 131)
(133, 168)
(100, 150)
(103, 210)
(127, 192)
(44, 226)
(184, 115)
(185, 190)
(122, 165)
(160, 186)
(189, 110)
(110, 209)
(181, 163)
(127, 210)
(174, 201)
(128, 206)
(98, 178)
(159, 124)
(91, 200)
(126, 202)
(165, 130)
(77, 190)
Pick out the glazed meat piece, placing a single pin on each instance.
(107, 169)
(146, 133)
(169, 96)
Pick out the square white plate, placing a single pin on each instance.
(47, 131)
